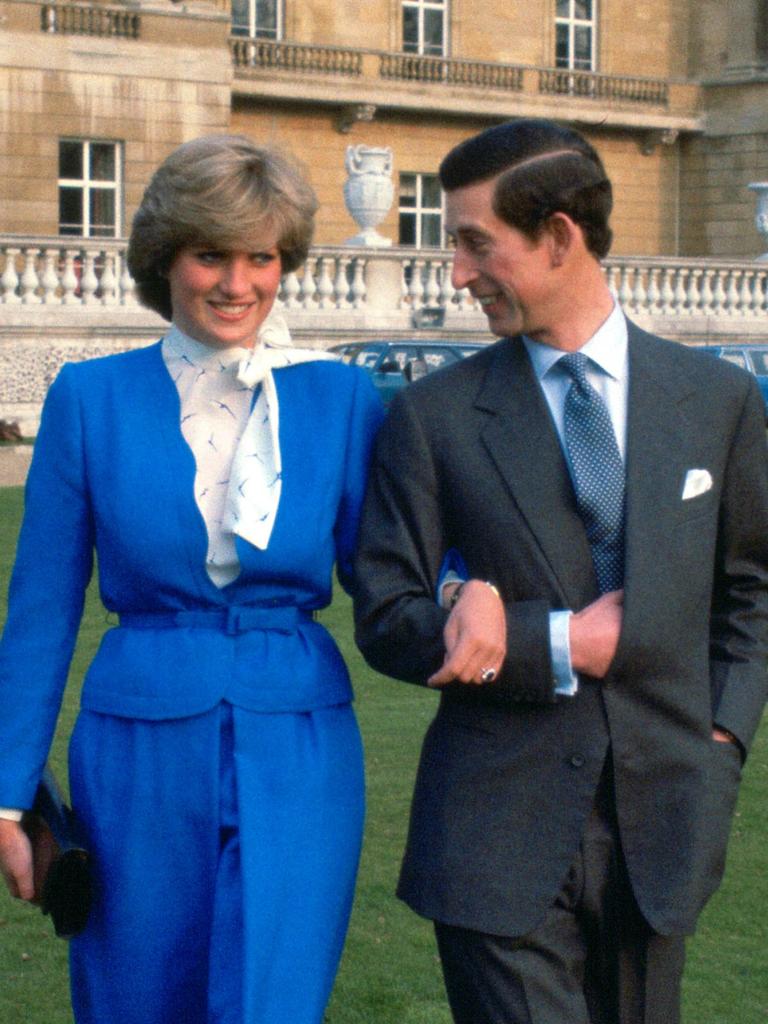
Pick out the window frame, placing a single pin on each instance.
(421, 7)
(573, 22)
(86, 184)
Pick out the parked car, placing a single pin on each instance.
(753, 358)
(394, 364)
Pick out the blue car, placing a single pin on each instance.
(394, 364)
(753, 358)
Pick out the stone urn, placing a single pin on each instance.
(368, 191)
(760, 188)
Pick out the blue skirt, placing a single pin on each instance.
(226, 847)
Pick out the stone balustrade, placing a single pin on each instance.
(64, 274)
(90, 20)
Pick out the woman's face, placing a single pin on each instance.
(222, 297)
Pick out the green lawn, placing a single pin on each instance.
(390, 972)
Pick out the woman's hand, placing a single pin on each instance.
(475, 637)
(16, 860)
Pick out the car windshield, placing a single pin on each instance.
(760, 361)
(737, 358)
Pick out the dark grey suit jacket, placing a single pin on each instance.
(469, 458)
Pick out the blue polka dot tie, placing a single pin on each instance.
(597, 470)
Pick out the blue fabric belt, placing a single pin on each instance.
(232, 621)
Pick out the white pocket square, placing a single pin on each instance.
(697, 481)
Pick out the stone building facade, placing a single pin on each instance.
(674, 93)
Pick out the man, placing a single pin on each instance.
(602, 667)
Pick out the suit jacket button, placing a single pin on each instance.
(577, 760)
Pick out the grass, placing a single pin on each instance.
(390, 973)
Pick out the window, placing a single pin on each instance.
(90, 195)
(575, 34)
(259, 19)
(421, 210)
(424, 27)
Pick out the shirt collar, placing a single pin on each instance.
(180, 345)
(607, 348)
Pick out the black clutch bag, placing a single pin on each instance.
(62, 863)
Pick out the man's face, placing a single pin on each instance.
(509, 274)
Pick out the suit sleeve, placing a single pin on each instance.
(53, 565)
(364, 422)
(406, 531)
(739, 621)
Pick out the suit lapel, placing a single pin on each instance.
(658, 436)
(522, 443)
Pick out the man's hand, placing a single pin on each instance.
(16, 860)
(594, 634)
(475, 636)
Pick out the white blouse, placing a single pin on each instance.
(236, 446)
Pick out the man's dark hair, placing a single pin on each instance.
(543, 168)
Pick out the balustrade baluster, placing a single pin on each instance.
(432, 288)
(308, 286)
(29, 278)
(69, 277)
(447, 291)
(127, 284)
(49, 278)
(416, 286)
(653, 294)
(358, 289)
(109, 281)
(10, 278)
(746, 307)
(707, 294)
(667, 291)
(89, 282)
(325, 283)
(719, 303)
(695, 299)
(291, 289)
(761, 293)
(638, 291)
(341, 284)
(681, 295)
(732, 293)
(625, 292)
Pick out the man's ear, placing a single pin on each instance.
(563, 235)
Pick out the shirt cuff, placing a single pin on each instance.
(9, 814)
(566, 680)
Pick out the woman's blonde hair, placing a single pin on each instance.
(221, 191)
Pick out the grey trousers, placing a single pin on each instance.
(592, 960)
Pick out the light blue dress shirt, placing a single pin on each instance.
(608, 373)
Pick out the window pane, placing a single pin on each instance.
(561, 46)
(266, 18)
(408, 190)
(70, 211)
(410, 30)
(582, 38)
(102, 212)
(430, 229)
(102, 161)
(563, 8)
(433, 32)
(240, 22)
(70, 159)
(430, 190)
(407, 230)
(583, 9)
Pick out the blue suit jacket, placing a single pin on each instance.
(112, 473)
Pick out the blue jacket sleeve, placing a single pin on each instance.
(54, 562)
(365, 420)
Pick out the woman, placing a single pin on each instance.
(215, 762)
